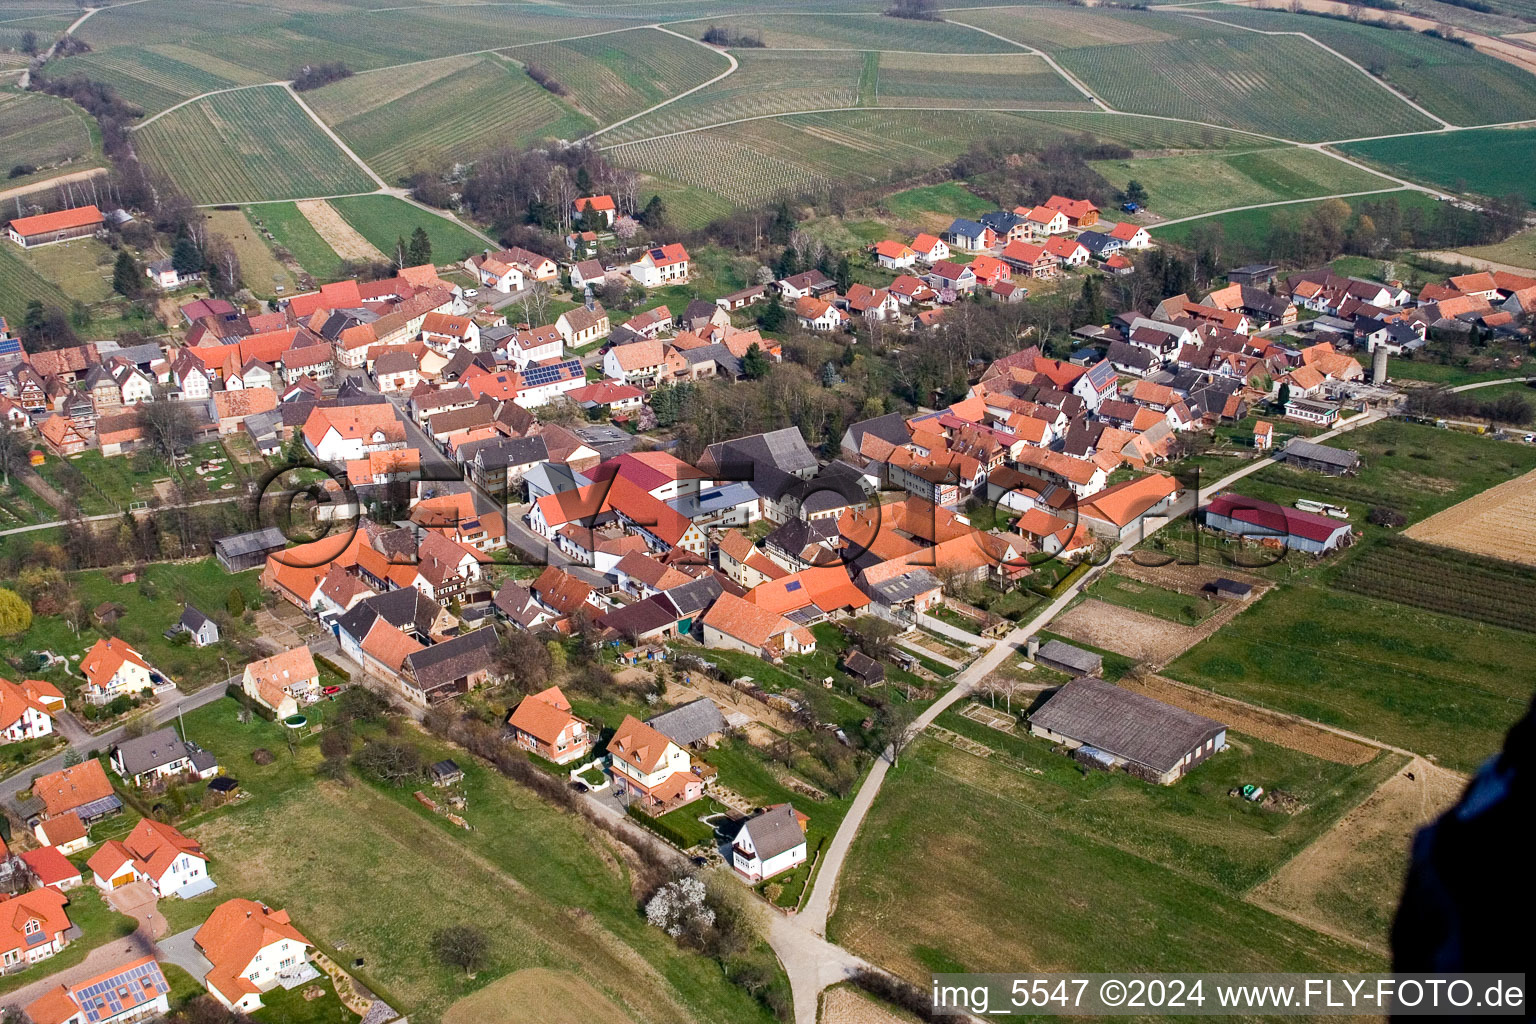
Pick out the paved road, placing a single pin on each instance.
(1492, 383)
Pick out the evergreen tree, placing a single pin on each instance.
(655, 214)
(583, 181)
(420, 250)
(772, 316)
(1284, 398)
(829, 375)
(186, 257)
(1135, 192)
(127, 280)
(788, 263)
(1089, 308)
(844, 275)
(235, 603)
(754, 364)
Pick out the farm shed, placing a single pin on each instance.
(446, 773)
(1229, 590)
(1264, 520)
(248, 550)
(693, 724)
(1148, 738)
(1074, 661)
(1320, 458)
(864, 668)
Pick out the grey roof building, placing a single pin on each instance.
(160, 754)
(1305, 454)
(248, 550)
(1151, 739)
(1073, 660)
(201, 628)
(696, 722)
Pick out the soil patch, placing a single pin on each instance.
(1348, 881)
(1135, 634)
(338, 234)
(1498, 523)
(535, 996)
(844, 1005)
(1269, 726)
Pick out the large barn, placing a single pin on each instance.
(1297, 530)
(45, 228)
(1157, 741)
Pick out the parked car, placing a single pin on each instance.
(331, 691)
(1131, 207)
(470, 293)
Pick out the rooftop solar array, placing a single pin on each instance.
(109, 997)
(535, 376)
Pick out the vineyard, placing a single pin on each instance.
(870, 31)
(1442, 580)
(19, 284)
(767, 82)
(1183, 186)
(384, 219)
(248, 145)
(1006, 80)
(159, 76)
(1053, 28)
(1262, 83)
(1458, 83)
(46, 26)
(428, 116)
(44, 131)
(613, 76)
(1488, 161)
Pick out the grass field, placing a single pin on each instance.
(291, 230)
(1455, 82)
(557, 892)
(80, 268)
(258, 267)
(1517, 250)
(49, 133)
(869, 31)
(613, 76)
(959, 850)
(384, 219)
(1003, 80)
(1431, 683)
(1251, 227)
(1488, 161)
(1153, 600)
(1181, 186)
(19, 284)
(152, 608)
(1262, 83)
(429, 116)
(248, 145)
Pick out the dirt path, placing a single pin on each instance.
(338, 234)
(1346, 882)
(62, 179)
(1449, 256)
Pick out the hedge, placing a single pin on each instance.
(327, 663)
(661, 828)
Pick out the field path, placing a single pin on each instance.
(1405, 186)
(338, 234)
(673, 99)
(62, 179)
(1079, 86)
(294, 93)
(1448, 256)
(201, 96)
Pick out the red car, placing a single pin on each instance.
(331, 691)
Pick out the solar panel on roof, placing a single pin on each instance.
(657, 254)
(793, 585)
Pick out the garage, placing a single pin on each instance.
(122, 880)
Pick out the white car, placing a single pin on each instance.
(470, 293)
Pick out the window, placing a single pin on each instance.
(32, 926)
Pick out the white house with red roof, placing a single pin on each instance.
(663, 264)
(133, 991)
(1042, 221)
(602, 207)
(23, 716)
(1130, 236)
(154, 853)
(32, 927)
(930, 248)
(114, 669)
(650, 768)
(248, 945)
(894, 255)
(543, 723)
(1069, 251)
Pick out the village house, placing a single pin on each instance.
(278, 683)
(769, 843)
(1042, 221)
(161, 754)
(133, 991)
(950, 280)
(970, 235)
(663, 264)
(595, 208)
(1131, 236)
(348, 433)
(200, 629)
(894, 255)
(1080, 213)
(736, 624)
(23, 716)
(154, 853)
(648, 767)
(248, 945)
(113, 669)
(819, 315)
(543, 723)
(82, 791)
(583, 325)
(32, 927)
(930, 248)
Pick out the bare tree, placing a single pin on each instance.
(12, 449)
(535, 304)
(463, 946)
(169, 425)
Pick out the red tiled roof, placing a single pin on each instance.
(43, 223)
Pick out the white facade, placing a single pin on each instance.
(29, 725)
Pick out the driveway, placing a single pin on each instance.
(179, 949)
(98, 961)
(138, 901)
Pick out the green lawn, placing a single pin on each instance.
(293, 231)
(972, 864)
(1430, 683)
(153, 605)
(105, 484)
(1248, 230)
(951, 198)
(384, 219)
(1489, 161)
(1153, 600)
(549, 890)
(282, 1006)
(99, 924)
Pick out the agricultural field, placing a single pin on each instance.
(80, 269)
(1436, 684)
(1250, 228)
(428, 116)
(159, 76)
(291, 230)
(1190, 184)
(556, 889)
(613, 76)
(260, 269)
(1446, 580)
(1458, 83)
(871, 31)
(960, 849)
(248, 145)
(20, 284)
(1498, 523)
(51, 134)
(768, 82)
(16, 21)
(384, 219)
(1054, 29)
(1003, 80)
(1488, 161)
(1262, 83)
